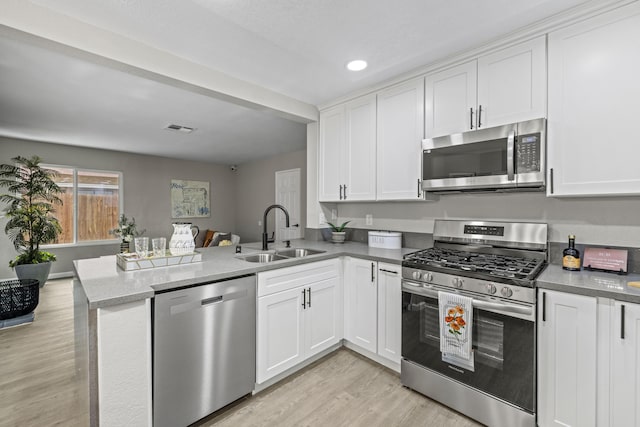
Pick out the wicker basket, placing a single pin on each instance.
(18, 297)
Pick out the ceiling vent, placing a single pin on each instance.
(178, 128)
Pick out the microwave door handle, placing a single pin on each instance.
(511, 141)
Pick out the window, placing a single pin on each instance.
(91, 204)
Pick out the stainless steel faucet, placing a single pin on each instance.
(265, 236)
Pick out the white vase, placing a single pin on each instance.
(182, 241)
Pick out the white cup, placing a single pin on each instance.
(142, 246)
(159, 245)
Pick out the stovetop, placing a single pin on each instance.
(484, 265)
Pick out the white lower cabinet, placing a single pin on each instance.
(588, 361)
(566, 359)
(625, 365)
(373, 302)
(389, 311)
(299, 315)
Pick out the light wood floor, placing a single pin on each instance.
(38, 386)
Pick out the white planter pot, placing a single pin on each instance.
(338, 236)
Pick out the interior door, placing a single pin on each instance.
(288, 195)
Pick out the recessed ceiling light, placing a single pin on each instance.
(357, 65)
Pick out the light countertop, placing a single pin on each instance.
(107, 285)
(590, 283)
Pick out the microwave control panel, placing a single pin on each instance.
(528, 153)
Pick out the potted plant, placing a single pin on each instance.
(126, 230)
(32, 194)
(337, 232)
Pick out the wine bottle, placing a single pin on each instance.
(571, 256)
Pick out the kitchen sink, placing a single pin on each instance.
(264, 258)
(298, 252)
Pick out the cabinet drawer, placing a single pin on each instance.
(283, 279)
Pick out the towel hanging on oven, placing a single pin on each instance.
(456, 329)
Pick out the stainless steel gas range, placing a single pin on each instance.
(495, 264)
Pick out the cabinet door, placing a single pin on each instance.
(566, 359)
(330, 153)
(360, 151)
(323, 316)
(361, 303)
(625, 366)
(512, 84)
(399, 142)
(279, 333)
(450, 100)
(593, 106)
(389, 311)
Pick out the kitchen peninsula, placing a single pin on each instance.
(113, 318)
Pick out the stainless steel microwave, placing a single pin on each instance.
(509, 157)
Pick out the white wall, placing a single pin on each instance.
(256, 188)
(604, 221)
(146, 182)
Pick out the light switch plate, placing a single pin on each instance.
(334, 214)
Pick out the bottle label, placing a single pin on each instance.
(569, 261)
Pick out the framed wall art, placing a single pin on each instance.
(190, 199)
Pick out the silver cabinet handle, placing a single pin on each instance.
(622, 321)
(340, 192)
(309, 302)
(471, 118)
(544, 306)
(388, 271)
(304, 299)
(479, 116)
(373, 277)
(345, 192)
(511, 140)
(551, 179)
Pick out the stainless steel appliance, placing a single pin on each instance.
(203, 349)
(509, 157)
(496, 264)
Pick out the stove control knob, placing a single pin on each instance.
(457, 282)
(416, 275)
(428, 277)
(491, 288)
(506, 292)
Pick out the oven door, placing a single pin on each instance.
(503, 343)
(470, 160)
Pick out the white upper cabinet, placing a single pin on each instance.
(504, 87)
(512, 84)
(347, 151)
(330, 153)
(400, 133)
(594, 90)
(450, 100)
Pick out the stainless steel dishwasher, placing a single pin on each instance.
(204, 349)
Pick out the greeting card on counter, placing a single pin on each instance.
(605, 259)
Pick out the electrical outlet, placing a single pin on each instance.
(322, 219)
(334, 214)
(368, 219)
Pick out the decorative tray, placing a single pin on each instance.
(131, 261)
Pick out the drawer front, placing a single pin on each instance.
(282, 279)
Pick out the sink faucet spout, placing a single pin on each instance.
(265, 236)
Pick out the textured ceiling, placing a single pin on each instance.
(295, 47)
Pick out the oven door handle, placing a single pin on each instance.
(420, 289)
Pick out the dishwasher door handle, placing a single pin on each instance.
(207, 302)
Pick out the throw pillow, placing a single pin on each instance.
(219, 238)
